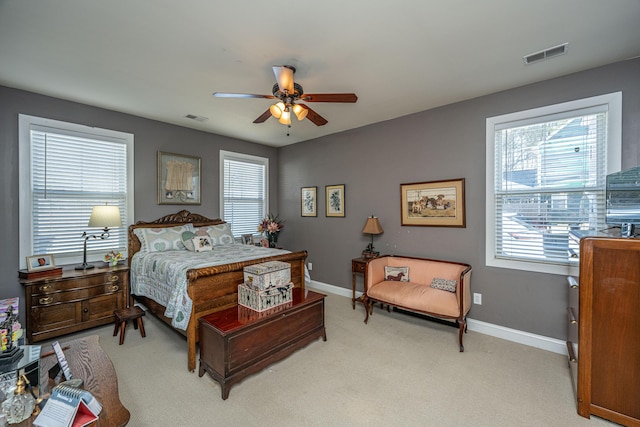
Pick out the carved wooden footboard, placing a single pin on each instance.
(210, 288)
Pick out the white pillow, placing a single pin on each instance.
(202, 243)
(162, 238)
(220, 234)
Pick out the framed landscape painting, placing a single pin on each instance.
(433, 204)
(308, 200)
(335, 200)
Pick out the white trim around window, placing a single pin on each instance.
(609, 103)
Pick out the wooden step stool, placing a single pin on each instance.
(134, 313)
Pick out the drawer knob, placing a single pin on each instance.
(86, 310)
(47, 300)
(114, 288)
(113, 278)
(45, 288)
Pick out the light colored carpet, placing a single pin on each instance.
(397, 370)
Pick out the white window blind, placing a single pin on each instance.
(244, 191)
(70, 172)
(549, 174)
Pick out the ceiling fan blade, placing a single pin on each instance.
(240, 95)
(284, 77)
(263, 117)
(316, 118)
(329, 97)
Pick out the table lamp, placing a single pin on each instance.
(101, 216)
(372, 226)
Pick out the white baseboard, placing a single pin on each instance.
(514, 335)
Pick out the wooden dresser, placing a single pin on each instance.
(74, 300)
(608, 321)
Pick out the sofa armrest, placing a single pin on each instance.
(463, 292)
(375, 271)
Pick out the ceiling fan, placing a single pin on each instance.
(288, 94)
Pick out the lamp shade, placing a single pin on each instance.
(277, 109)
(300, 111)
(372, 226)
(285, 119)
(105, 216)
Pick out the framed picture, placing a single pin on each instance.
(178, 179)
(433, 204)
(335, 200)
(247, 239)
(308, 200)
(40, 262)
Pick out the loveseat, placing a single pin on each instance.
(440, 289)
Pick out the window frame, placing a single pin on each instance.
(249, 158)
(25, 125)
(613, 101)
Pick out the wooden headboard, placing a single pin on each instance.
(180, 218)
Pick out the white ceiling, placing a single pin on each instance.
(162, 59)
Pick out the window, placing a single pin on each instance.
(244, 191)
(546, 171)
(65, 170)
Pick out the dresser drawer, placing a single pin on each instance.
(358, 267)
(68, 284)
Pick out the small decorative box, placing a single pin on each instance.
(260, 300)
(267, 274)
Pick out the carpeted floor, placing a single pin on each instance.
(397, 370)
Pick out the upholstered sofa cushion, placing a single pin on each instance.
(444, 284)
(398, 274)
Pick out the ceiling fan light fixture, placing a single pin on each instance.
(277, 109)
(300, 111)
(285, 119)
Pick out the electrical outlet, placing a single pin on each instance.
(477, 298)
(310, 266)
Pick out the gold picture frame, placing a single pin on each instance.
(433, 203)
(178, 179)
(309, 201)
(335, 203)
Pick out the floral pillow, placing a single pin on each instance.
(398, 274)
(444, 284)
(162, 238)
(220, 234)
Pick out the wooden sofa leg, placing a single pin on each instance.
(463, 327)
(366, 309)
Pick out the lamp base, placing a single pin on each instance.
(85, 267)
(370, 254)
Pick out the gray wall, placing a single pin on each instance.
(149, 137)
(443, 143)
(372, 162)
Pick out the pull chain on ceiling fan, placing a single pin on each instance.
(288, 94)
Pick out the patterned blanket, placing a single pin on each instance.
(162, 276)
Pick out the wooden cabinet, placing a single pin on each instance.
(73, 301)
(609, 329)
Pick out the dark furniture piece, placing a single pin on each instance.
(88, 361)
(213, 288)
(238, 341)
(358, 266)
(609, 329)
(134, 314)
(74, 300)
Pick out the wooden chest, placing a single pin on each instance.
(238, 341)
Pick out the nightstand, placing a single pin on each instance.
(74, 300)
(358, 266)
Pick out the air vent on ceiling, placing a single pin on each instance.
(196, 118)
(546, 54)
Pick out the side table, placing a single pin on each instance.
(358, 265)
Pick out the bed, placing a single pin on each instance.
(208, 286)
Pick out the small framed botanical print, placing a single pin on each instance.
(308, 200)
(335, 200)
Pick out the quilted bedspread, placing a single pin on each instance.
(162, 276)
